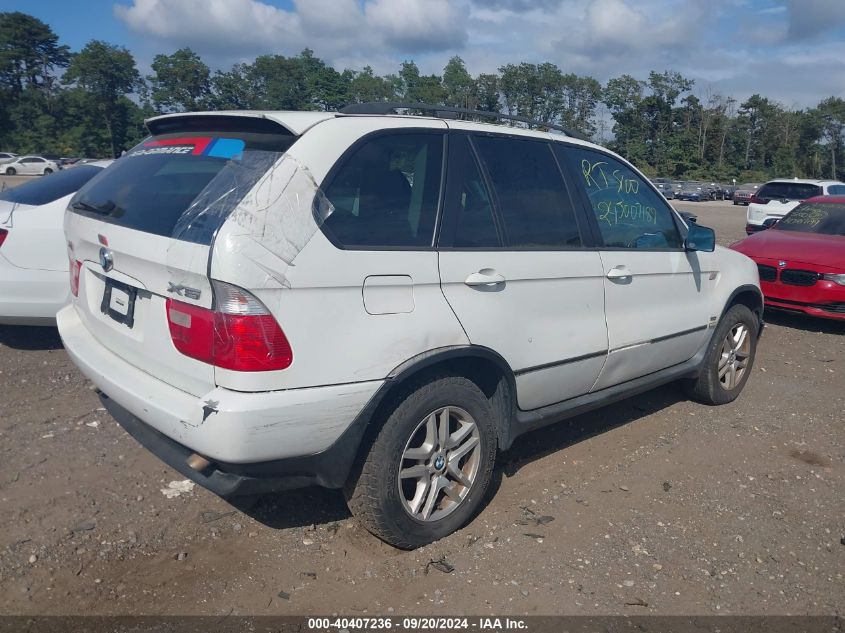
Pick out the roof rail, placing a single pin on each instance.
(449, 112)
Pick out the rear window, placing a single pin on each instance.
(825, 218)
(184, 185)
(788, 191)
(385, 194)
(52, 187)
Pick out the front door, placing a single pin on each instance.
(656, 292)
(514, 268)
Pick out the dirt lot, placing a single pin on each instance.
(12, 181)
(654, 505)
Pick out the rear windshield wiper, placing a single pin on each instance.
(103, 209)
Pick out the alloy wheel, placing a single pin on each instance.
(439, 464)
(733, 360)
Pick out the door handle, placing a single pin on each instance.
(484, 277)
(619, 272)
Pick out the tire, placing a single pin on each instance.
(722, 354)
(395, 509)
(10, 171)
(47, 171)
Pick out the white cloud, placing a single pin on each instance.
(613, 23)
(333, 28)
(418, 25)
(237, 26)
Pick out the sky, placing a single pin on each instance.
(790, 50)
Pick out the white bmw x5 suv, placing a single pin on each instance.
(380, 303)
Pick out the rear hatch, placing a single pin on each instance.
(142, 233)
(776, 199)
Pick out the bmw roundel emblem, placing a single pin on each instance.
(106, 259)
(781, 263)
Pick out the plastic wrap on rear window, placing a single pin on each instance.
(272, 223)
(187, 185)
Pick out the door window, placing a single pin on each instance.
(630, 214)
(470, 218)
(533, 203)
(386, 194)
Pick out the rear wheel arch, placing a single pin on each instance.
(483, 366)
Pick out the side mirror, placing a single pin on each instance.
(688, 217)
(770, 222)
(700, 238)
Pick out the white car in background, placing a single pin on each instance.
(33, 252)
(7, 157)
(30, 166)
(778, 197)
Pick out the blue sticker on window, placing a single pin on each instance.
(225, 148)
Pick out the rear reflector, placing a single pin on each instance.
(238, 334)
(75, 266)
(3, 234)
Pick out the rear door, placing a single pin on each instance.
(142, 231)
(515, 269)
(776, 199)
(28, 166)
(657, 295)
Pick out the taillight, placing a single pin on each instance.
(239, 333)
(75, 267)
(757, 200)
(3, 234)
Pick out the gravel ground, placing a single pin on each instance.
(655, 505)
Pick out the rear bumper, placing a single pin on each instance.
(232, 428)
(328, 469)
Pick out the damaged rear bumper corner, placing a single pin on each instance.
(328, 469)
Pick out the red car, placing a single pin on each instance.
(801, 258)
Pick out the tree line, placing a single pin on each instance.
(93, 103)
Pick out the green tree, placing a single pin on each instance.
(29, 52)
(236, 89)
(580, 96)
(279, 83)
(108, 75)
(487, 87)
(180, 83)
(755, 118)
(623, 97)
(365, 86)
(831, 116)
(326, 88)
(458, 86)
(416, 88)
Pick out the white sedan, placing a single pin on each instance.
(30, 166)
(33, 253)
